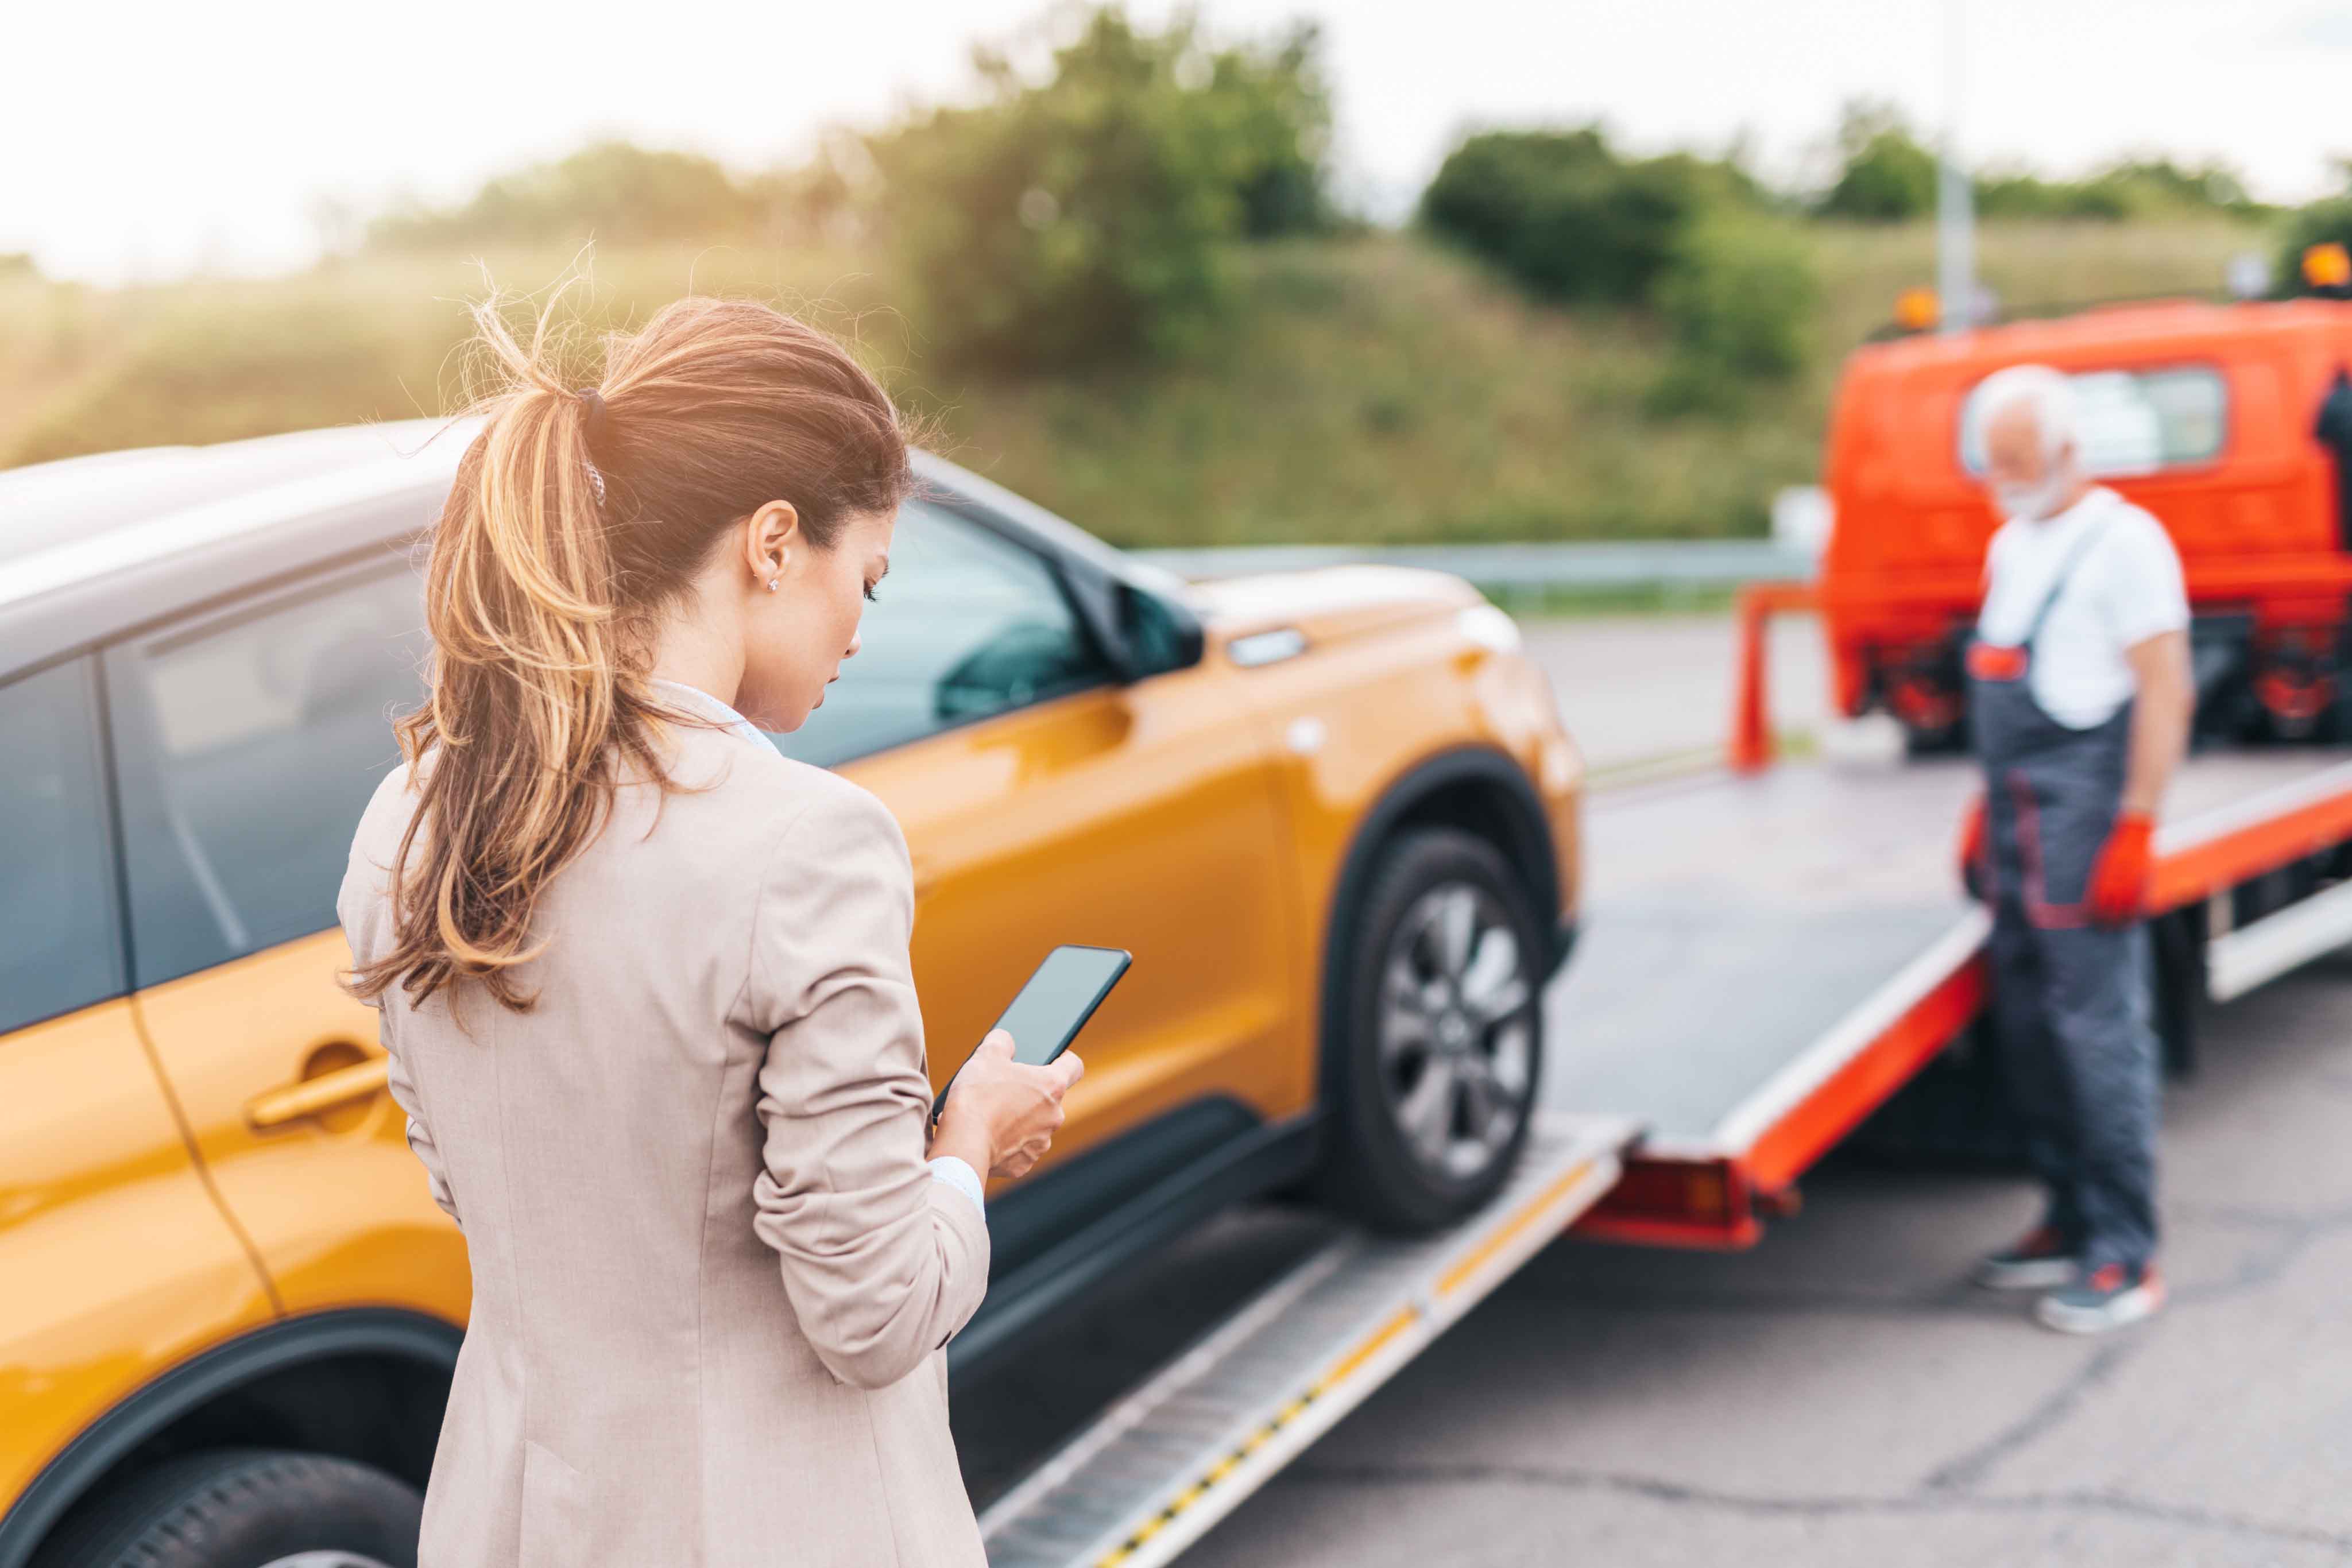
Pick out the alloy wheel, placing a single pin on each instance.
(1457, 1031)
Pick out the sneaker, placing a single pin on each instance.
(2042, 1261)
(2112, 1297)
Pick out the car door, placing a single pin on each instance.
(114, 1261)
(1045, 802)
(248, 739)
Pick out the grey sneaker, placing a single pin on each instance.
(2112, 1297)
(2041, 1261)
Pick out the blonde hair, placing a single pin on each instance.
(576, 517)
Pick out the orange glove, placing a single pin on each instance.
(2119, 879)
(1973, 852)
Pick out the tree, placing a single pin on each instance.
(1737, 298)
(1561, 213)
(1077, 217)
(1885, 176)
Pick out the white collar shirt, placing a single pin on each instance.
(2122, 585)
(696, 700)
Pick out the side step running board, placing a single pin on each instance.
(1157, 1468)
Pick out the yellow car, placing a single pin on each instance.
(1332, 814)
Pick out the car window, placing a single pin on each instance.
(965, 625)
(2133, 421)
(247, 743)
(59, 947)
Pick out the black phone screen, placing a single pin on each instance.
(1058, 999)
(1061, 994)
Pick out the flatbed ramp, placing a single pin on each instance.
(1175, 1455)
(1766, 959)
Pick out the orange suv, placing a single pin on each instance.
(1332, 814)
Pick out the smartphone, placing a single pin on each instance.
(1059, 999)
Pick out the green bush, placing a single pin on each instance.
(1567, 217)
(1276, 107)
(1077, 219)
(1738, 301)
(2126, 190)
(1884, 175)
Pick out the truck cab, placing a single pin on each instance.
(2205, 413)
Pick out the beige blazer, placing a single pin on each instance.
(712, 1277)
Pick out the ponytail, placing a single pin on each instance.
(551, 561)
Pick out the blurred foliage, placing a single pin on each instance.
(1564, 214)
(1692, 240)
(1738, 298)
(1355, 389)
(367, 338)
(1076, 218)
(2118, 192)
(1884, 175)
(2324, 222)
(611, 192)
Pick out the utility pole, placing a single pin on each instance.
(1955, 229)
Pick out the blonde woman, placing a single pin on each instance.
(645, 982)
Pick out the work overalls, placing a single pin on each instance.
(2069, 997)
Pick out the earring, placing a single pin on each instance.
(772, 585)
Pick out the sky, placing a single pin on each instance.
(142, 141)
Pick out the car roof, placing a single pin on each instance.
(94, 548)
(77, 498)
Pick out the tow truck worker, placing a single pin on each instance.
(2079, 704)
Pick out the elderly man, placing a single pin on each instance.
(2079, 703)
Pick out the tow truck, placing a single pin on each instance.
(1776, 949)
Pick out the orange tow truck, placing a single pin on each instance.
(2205, 413)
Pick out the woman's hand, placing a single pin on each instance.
(1001, 1115)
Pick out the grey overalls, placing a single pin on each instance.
(2069, 999)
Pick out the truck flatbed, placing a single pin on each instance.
(1768, 958)
(1771, 955)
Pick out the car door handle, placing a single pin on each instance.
(312, 1095)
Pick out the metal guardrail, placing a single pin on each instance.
(1678, 563)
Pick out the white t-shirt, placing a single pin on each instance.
(2123, 589)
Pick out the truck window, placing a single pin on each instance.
(60, 948)
(2134, 421)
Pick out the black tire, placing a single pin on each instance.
(243, 1508)
(1942, 741)
(1371, 1168)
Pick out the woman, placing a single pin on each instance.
(645, 984)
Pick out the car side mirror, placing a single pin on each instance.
(1156, 635)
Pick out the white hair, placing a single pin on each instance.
(2049, 393)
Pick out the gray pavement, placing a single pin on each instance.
(1634, 687)
(1839, 1395)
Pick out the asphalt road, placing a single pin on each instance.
(1636, 687)
(1839, 1395)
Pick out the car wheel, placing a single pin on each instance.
(245, 1508)
(1439, 1027)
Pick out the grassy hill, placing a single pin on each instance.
(1372, 389)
